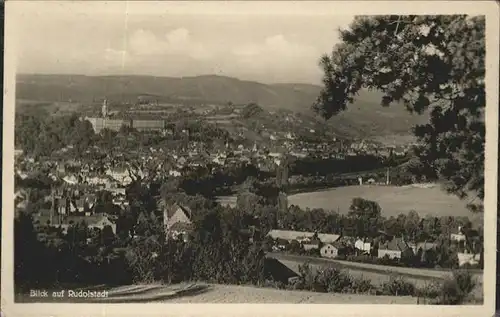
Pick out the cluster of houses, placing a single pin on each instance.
(364, 147)
(68, 207)
(293, 127)
(333, 245)
(74, 198)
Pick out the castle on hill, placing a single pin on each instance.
(106, 121)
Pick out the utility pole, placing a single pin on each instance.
(397, 25)
(282, 184)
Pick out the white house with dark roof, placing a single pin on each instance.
(329, 251)
(177, 220)
(393, 248)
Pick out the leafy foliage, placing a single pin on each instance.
(457, 288)
(432, 64)
(219, 250)
(361, 284)
(251, 110)
(146, 251)
(329, 279)
(44, 135)
(398, 286)
(27, 250)
(454, 290)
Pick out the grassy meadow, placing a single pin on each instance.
(424, 199)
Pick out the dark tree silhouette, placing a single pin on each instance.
(432, 64)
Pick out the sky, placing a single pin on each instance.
(250, 41)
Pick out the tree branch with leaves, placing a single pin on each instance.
(429, 64)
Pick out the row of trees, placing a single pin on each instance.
(41, 136)
(319, 166)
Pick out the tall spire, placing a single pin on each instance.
(105, 108)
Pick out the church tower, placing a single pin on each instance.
(105, 108)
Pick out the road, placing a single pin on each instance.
(378, 274)
(406, 271)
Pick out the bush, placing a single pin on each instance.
(450, 293)
(362, 285)
(432, 290)
(307, 277)
(322, 279)
(330, 279)
(295, 285)
(454, 290)
(398, 286)
(273, 284)
(333, 280)
(457, 288)
(465, 280)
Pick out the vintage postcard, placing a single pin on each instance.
(303, 157)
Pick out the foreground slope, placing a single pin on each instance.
(215, 293)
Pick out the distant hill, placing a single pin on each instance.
(365, 118)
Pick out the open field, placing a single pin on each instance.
(393, 200)
(203, 293)
(378, 274)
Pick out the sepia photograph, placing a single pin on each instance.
(250, 153)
